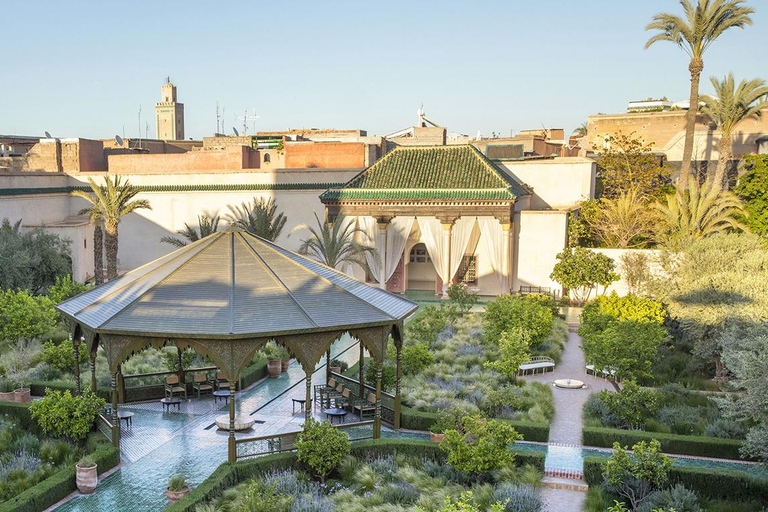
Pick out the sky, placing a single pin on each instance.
(83, 69)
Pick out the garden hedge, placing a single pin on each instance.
(418, 420)
(228, 475)
(21, 413)
(37, 388)
(253, 373)
(700, 446)
(59, 485)
(717, 484)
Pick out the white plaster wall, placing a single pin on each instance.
(620, 286)
(558, 183)
(540, 236)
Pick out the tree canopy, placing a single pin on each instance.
(581, 271)
(627, 163)
(753, 190)
(31, 260)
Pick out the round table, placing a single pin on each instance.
(221, 394)
(127, 416)
(335, 413)
(168, 402)
(302, 404)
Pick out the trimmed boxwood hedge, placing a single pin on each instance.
(228, 475)
(21, 413)
(59, 485)
(418, 420)
(700, 446)
(253, 373)
(37, 388)
(717, 484)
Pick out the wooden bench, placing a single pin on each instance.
(542, 363)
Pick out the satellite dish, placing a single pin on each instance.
(48, 135)
(119, 140)
(237, 134)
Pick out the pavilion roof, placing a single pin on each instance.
(232, 284)
(447, 173)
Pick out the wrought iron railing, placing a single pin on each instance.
(387, 399)
(285, 442)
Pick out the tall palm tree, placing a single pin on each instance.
(703, 23)
(112, 201)
(698, 212)
(207, 225)
(731, 105)
(623, 221)
(259, 218)
(582, 129)
(333, 243)
(95, 217)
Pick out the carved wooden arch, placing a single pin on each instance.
(309, 348)
(397, 334)
(374, 339)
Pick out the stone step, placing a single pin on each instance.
(564, 483)
(574, 474)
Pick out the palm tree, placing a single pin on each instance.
(582, 130)
(730, 106)
(623, 221)
(703, 23)
(112, 201)
(94, 216)
(259, 218)
(333, 243)
(698, 212)
(207, 225)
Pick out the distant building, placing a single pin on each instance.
(169, 114)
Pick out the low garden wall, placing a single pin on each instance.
(228, 475)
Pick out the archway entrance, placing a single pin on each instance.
(420, 270)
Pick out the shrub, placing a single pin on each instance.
(459, 294)
(635, 476)
(66, 415)
(527, 313)
(321, 447)
(388, 375)
(341, 364)
(677, 497)
(415, 358)
(514, 350)
(632, 404)
(726, 428)
(628, 307)
(482, 445)
(177, 483)
(400, 493)
(257, 497)
(428, 324)
(628, 347)
(518, 497)
(465, 503)
(61, 357)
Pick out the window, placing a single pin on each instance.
(419, 254)
(468, 270)
(266, 158)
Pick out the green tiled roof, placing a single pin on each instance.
(430, 173)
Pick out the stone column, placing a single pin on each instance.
(383, 253)
(506, 263)
(399, 347)
(447, 230)
(232, 451)
(308, 397)
(76, 350)
(115, 419)
(377, 417)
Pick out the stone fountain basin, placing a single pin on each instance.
(241, 422)
(569, 384)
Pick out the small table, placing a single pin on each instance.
(221, 394)
(336, 413)
(127, 416)
(168, 402)
(302, 404)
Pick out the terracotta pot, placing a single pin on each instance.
(22, 395)
(10, 396)
(274, 367)
(284, 364)
(436, 438)
(87, 478)
(173, 497)
(336, 369)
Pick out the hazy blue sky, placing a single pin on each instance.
(84, 68)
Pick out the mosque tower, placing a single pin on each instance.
(169, 114)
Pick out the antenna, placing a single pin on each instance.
(119, 140)
(146, 130)
(245, 118)
(139, 126)
(48, 135)
(217, 119)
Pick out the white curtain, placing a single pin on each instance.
(460, 235)
(493, 236)
(397, 235)
(431, 233)
(369, 226)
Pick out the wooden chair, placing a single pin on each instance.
(221, 381)
(323, 389)
(172, 386)
(202, 384)
(366, 406)
(344, 401)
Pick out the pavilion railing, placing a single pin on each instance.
(148, 386)
(285, 442)
(104, 426)
(387, 399)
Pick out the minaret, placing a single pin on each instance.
(169, 114)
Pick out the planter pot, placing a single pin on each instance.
(336, 369)
(274, 367)
(86, 478)
(284, 365)
(436, 438)
(22, 396)
(10, 396)
(173, 497)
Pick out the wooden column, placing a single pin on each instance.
(76, 350)
(308, 397)
(232, 447)
(327, 365)
(377, 417)
(506, 263)
(399, 347)
(383, 253)
(361, 373)
(447, 229)
(115, 419)
(120, 384)
(93, 370)
(181, 369)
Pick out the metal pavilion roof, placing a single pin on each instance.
(230, 285)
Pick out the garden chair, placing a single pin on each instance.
(322, 389)
(221, 381)
(333, 393)
(172, 386)
(344, 401)
(366, 406)
(201, 384)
